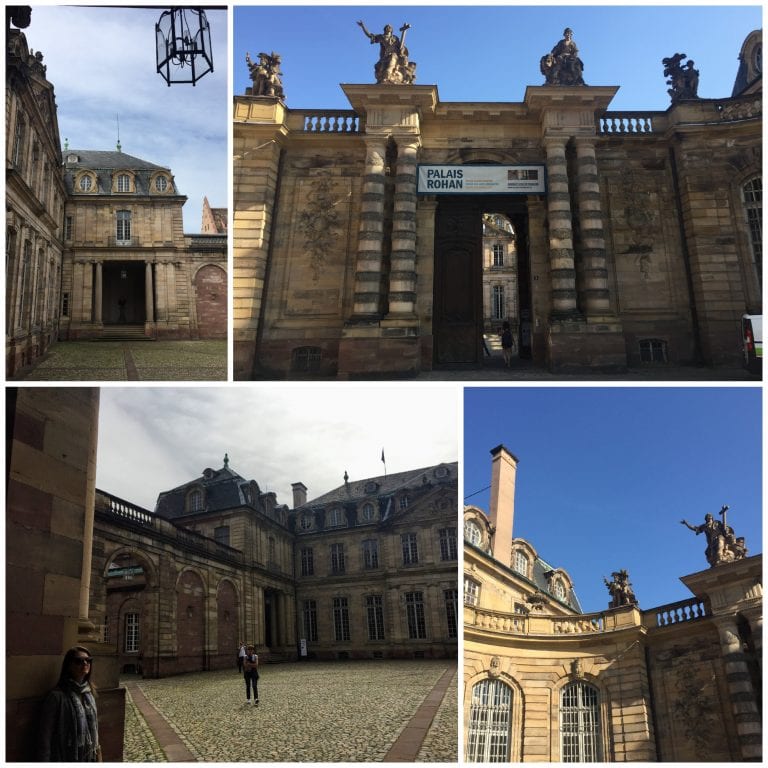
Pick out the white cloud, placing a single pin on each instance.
(101, 62)
(153, 439)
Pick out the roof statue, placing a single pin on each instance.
(620, 589)
(393, 66)
(563, 66)
(266, 75)
(722, 544)
(684, 80)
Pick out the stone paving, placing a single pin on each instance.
(130, 361)
(308, 712)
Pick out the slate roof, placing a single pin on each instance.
(104, 164)
(385, 485)
(223, 490)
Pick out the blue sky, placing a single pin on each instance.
(101, 62)
(606, 474)
(491, 53)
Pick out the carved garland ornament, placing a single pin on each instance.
(318, 224)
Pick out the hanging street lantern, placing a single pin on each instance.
(183, 40)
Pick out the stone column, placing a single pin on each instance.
(367, 299)
(76, 310)
(755, 618)
(86, 629)
(594, 270)
(170, 277)
(148, 293)
(97, 290)
(560, 231)
(741, 692)
(402, 278)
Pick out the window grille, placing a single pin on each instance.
(414, 608)
(490, 714)
(653, 351)
(374, 608)
(306, 359)
(132, 632)
(448, 549)
(579, 723)
(123, 183)
(753, 205)
(341, 619)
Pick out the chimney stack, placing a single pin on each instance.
(503, 474)
(299, 494)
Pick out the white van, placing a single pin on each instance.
(752, 342)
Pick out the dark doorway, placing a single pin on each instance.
(123, 293)
(458, 319)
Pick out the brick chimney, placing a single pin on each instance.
(503, 474)
(299, 494)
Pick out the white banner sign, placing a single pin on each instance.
(481, 180)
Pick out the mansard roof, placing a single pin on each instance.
(750, 75)
(104, 164)
(223, 488)
(355, 491)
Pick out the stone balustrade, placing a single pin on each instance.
(335, 121)
(112, 505)
(630, 123)
(675, 613)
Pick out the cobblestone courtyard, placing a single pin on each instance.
(130, 361)
(308, 712)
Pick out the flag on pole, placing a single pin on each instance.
(384, 462)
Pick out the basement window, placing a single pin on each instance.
(653, 351)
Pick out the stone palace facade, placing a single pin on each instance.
(642, 243)
(544, 681)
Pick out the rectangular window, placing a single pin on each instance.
(132, 633)
(65, 304)
(370, 554)
(410, 548)
(451, 597)
(106, 629)
(18, 142)
(498, 255)
(448, 550)
(123, 232)
(471, 592)
(414, 609)
(337, 558)
(68, 228)
(340, 620)
(498, 302)
(221, 535)
(374, 608)
(123, 183)
(309, 613)
(307, 561)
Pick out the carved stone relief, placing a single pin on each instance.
(318, 223)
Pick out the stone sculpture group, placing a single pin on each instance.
(266, 75)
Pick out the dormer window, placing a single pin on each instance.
(305, 522)
(334, 517)
(161, 184)
(558, 589)
(522, 563)
(123, 183)
(368, 512)
(371, 487)
(86, 183)
(71, 158)
(441, 472)
(472, 533)
(404, 500)
(195, 501)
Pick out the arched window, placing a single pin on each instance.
(579, 723)
(472, 533)
(522, 562)
(558, 589)
(490, 714)
(752, 193)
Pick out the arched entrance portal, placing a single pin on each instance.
(459, 315)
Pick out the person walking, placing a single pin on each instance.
(251, 674)
(507, 343)
(241, 656)
(69, 725)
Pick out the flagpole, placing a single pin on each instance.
(384, 462)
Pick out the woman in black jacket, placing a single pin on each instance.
(69, 730)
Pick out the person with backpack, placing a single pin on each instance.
(251, 675)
